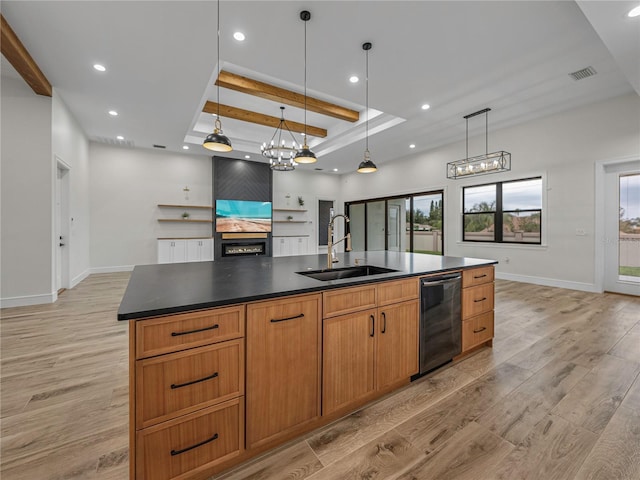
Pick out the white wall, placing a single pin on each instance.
(563, 148)
(312, 187)
(26, 197)
(70, 145)
(126, 187)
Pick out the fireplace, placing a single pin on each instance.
(240, 249)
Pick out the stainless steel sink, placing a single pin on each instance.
(347, 272)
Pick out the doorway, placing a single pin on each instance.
(61, 239)
(622, 228)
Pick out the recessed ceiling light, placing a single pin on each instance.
(100, 68)
(634, 12)
(335, 169)
(185, 147)
(354, 79)
(120, 137)
(239, 36)
(426, 106)
(413, 145)
(247, 156)
(113, 113)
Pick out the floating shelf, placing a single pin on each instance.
(180, 220)
(206, 207)
(289, 221)
(288, 210)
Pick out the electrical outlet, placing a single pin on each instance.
(506, 259)
(580, 232)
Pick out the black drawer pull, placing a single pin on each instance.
(178, 452)
(213, 327)
(384, 322)
(480, 330)
(180, 385)
(480, 276)
(276, 320)
(481, 300)
(373, 325)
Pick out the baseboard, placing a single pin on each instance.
(27, 300)
(75, 281)
(549, 282)
(119, 268)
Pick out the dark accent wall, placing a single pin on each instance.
(235, 179)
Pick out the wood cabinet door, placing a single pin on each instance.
(397, 346)
(283, 366)
(348, 359)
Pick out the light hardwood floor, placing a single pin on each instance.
(558, 397)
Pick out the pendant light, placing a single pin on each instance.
(217, 141)
(484, 164)
(367, 166)
(305, 155)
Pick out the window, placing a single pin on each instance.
(503, 212)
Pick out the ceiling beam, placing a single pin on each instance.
(16, 53)
(271, 92)
(261, 119)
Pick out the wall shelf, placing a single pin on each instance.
(180, 220)
(289, 210)
(167, 205)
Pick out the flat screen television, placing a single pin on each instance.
(243, 216)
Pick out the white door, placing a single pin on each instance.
(61, 239)
(622, 228)
(393, 222)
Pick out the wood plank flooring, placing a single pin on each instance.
(558, 397)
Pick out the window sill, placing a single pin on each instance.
(521, 246)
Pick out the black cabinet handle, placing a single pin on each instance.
(373, 325)
(276, 320)
(178, 452)
(180, 385)
(480, 330)
(384, 322)
(213, 327)
(480, 276)
(481, 300)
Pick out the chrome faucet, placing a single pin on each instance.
(330, 244)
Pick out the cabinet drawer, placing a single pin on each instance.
(477, 300)
(477, 276)
(179, 383)
(182, 447)
(398, 291)
(347, 300)
(477, 330)
(179, 332)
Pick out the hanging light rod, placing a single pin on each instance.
(486, 163)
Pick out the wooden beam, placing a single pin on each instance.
(261, 119)
(16, 53)
(271, 92)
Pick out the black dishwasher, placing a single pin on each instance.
(440, 320)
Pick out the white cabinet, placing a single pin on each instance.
(285, 246)
(178, 250)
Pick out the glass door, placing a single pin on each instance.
(426, 227)
(622, 227)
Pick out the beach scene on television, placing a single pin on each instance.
(243, 216)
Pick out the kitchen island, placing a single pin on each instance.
(231, 358)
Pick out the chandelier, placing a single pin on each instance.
(481, 164)
(281, 157)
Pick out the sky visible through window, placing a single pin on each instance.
(630, 196)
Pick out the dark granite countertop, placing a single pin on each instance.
(180, 287)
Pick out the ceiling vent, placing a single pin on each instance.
(158, 146)
(584, 73)
(113, 141)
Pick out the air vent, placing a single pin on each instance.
(584, 73)
(113, 141)
(159, 146)
(318, 169)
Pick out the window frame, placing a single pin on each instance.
(498, 212)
